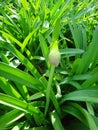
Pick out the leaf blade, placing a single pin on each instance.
(18, 76)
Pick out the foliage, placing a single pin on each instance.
(35, 95)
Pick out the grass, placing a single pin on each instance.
(34, 94)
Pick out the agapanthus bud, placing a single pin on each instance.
(54, 55)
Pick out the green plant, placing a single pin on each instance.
(48, 64)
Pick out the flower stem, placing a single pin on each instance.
(49, 88)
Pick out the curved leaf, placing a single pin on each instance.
(18, 104)
(81, 114)
(90, 95)
(19, 76)
(10, 117)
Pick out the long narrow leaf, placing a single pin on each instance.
(10, 117)
(44, 47)
(81, 114)
(22, 58)
(56, 30)
(90, 95)
(18, 104)
(56, 121)
(8, 88)
(19, 76)
(8, 36)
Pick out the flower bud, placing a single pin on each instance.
(54, 55)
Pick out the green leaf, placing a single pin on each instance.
(87, 59)
(71, 109)
(36, 96)
(4, 58)
(13, 23)
(55, 34)
(55, 8)
(19, 76)
(55, 102)
(9, 36)
(18, 104)
(77, 34)
(8, 88)
(25, 4)
(56, 122)
(28, 37)
(22, 58)
(81, 114)
(71, 51)
(60, 11)
(26, 40)
(82, 77)
(44, 47)
(23, 90)
(10, 117)
(93, 79)
(90, 108)
(95, 52)
(95, 35)
(84, 35)
(85, 95)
